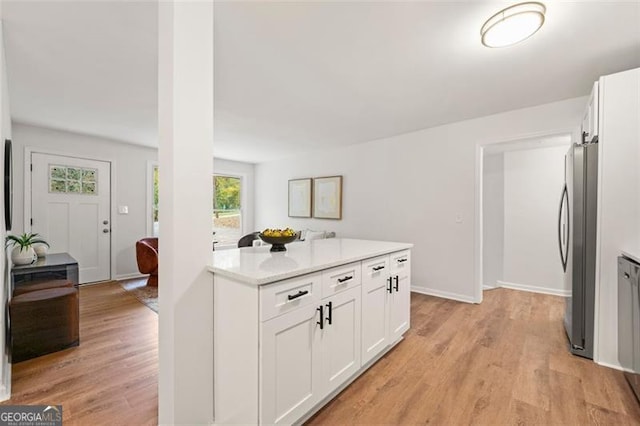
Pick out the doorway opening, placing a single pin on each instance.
(520, 187)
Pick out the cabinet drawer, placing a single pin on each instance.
(400, 262)
(375, 269)
(341, 278)
(288, 295)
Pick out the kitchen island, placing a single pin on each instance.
(292, 329)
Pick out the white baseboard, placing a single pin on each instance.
(130, 276)
(615, 366)
(534, 289)
(443, 294)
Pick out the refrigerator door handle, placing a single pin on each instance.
(561, 228)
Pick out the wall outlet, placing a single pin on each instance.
(458, 218)
(123, 209)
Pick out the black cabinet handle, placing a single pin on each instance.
(397, 280)
(402, 260)
(298, 294)
(330, 316)
(390, 287)
(345, 279)
(378, 268)
(321, 322)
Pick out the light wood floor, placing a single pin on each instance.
(502, 362)
(112, 377)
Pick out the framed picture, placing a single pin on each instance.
(327, 197)
(300, 197)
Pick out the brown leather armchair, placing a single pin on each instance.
(147, 256)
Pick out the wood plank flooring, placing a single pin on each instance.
(112, 377)
(502, 362)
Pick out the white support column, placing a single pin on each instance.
(185, 122)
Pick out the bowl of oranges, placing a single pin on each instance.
(278, 238)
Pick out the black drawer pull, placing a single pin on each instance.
(345, 279)
(397, 279)
(402, 260)
(378, 268)
(298, 294)
(390, 287)
(330, 316)
(321, 322)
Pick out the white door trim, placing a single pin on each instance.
(28, 150)
(480, 147)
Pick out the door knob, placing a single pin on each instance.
(105, 222)
(106, 231)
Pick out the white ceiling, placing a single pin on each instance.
(294, 77)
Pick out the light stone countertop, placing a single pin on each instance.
(258, 266)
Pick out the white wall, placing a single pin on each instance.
(411, 188)
(619, 199)
(185, 129)
(129, 167)
(5, 133)
(533, 180)
(493, 219)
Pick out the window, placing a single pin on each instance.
(155, 228)
(72, 180)
(227, 209)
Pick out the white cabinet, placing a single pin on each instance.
(590, 122)
(386, 292)
(308, 352)
(400, 296)
(340, 338)
(283, 349)
(290, 365)
(375, 307)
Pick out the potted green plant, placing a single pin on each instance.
(23, 252)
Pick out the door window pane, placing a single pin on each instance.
(72, 180)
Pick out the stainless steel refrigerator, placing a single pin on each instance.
(577, 242)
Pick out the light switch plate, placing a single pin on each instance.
(123, 209)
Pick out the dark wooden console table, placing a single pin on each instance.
(55, 266)
(45, 320)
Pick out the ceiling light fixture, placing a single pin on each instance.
(513, 24)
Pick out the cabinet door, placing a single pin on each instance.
(400, 297)
(399, 307)
(375, 307)
(290, 366)
(341, 338)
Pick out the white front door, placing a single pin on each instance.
(70, 209)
